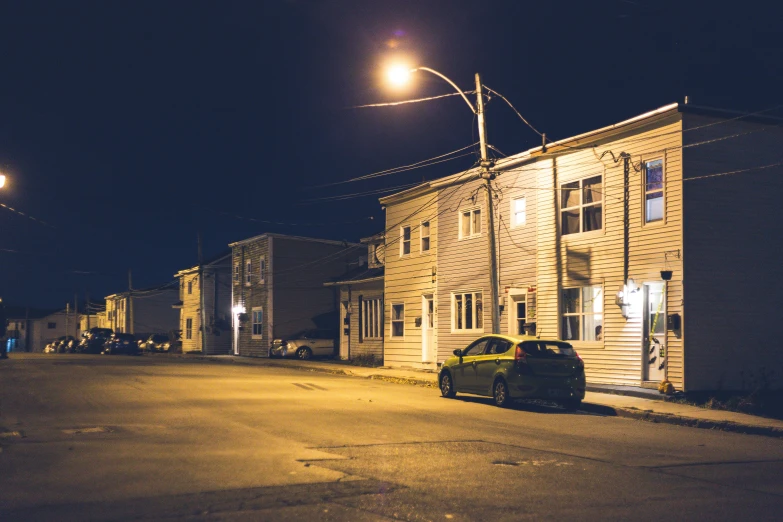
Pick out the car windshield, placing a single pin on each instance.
(548, 349)
(124, 337)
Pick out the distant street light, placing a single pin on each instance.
(2, 180)
(400, 75)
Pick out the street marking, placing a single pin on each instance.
(315, 386)
(9, 434)
(79, 431)
(303, 386)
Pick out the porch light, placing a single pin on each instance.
(239, 309)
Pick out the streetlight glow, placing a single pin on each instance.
(2, 180)
(399, 75)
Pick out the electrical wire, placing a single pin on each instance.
(33, 218)
(354, 195)
(417, 100)
(514, 109)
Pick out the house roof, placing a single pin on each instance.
(296, 238)
(140, 292)
(213, 261)
(358, 275)
(567, 144)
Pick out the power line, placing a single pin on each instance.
(514, 109)
(41, 221)
(417, 100)
(359, 194)
(256, 220)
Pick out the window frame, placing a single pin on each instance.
(422, 237)
(188, 328)
(454, 325)
(407, 242)
(248, 272)
(393, 321)
(253, 323)
(582, 206)
(513, 213)
(662, 190)
(190, 287)
(473, 234)
(237, 274)
(262, 270)
(371, 308)
(581, 314)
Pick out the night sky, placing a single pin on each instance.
(128, 127)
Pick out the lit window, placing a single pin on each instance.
(370, 318)
(262, 270)
(581, 206)
(258, 321)
(470, 223)
(405, 241)
(398, 320)
(653, 191)
(518, 212)
(248, 273)
(582, 317)
(468, 311)
(188, 328)
(425, 236)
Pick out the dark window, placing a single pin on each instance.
(581, 206)
(51, 326)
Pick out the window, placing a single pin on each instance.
(248, 273)
(581, 206)
(470, 223)
(51, 326)
(262, 270)
(518, 212)
(190, 287)
(236, 273)
(467, 311)
(405, 241)
(582, 315)
(425, 236)
(189, 328)
(653, 191)
(477, 348)
(258, 321)
(398, 320)
(371, 310)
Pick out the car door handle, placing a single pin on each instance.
(474, 364)
(497, 361)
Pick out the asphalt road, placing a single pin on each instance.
(151, 438)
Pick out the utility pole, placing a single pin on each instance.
(129, 315)
(202, 314)
(488, 176)
(67, 313)
(87, 308)
(76, 314)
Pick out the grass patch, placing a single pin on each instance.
(764, 404)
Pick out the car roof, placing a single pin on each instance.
(516, 338)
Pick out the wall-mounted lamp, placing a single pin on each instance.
(624, 297)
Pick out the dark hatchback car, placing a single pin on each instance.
(121, 343)
(156, 343)
(94, 340)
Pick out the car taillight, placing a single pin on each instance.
(581, 363)
(520, 357)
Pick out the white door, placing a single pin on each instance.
(428, 351)
(345, 330)
(654, 332)
(517, 316)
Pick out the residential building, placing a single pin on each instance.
(145, 311)
(360, 294)
(30, 329)
(278, 287)
(646, 244)
(410, 278)
(216, 288)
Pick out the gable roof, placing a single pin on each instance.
(295, 238)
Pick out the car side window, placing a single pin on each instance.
(477, 348)
(499, 346)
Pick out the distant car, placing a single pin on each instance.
(156, 343)
(121, 343)
(304, 345)
(508, 367)
(63, 342)
(52, 346)
(93, 340)
(72, 345)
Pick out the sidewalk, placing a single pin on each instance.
(595, 402)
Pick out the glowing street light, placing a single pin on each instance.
(399, 75)
(2, 180)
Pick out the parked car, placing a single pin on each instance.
(51, 347)
(72, 345)
(93, 340)
(121, 343)
(62, 343)
(508, 367)
(304, 345)
(156, 343)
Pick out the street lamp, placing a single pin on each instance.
(400, 75)
(2, 180)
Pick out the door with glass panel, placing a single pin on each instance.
(654, 330)
(428, 352)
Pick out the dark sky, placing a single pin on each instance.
(130, 126)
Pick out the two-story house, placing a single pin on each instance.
(644, 243)
(360, 293)
(144, 311)
(215, 339)
(410, 278)
(278, 287)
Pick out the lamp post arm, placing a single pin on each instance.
(436, 73)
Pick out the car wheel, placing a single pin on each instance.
(304, 353)
(572, 404)
(500, 393)
(447, 386)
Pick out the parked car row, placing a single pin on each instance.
(105, 341)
